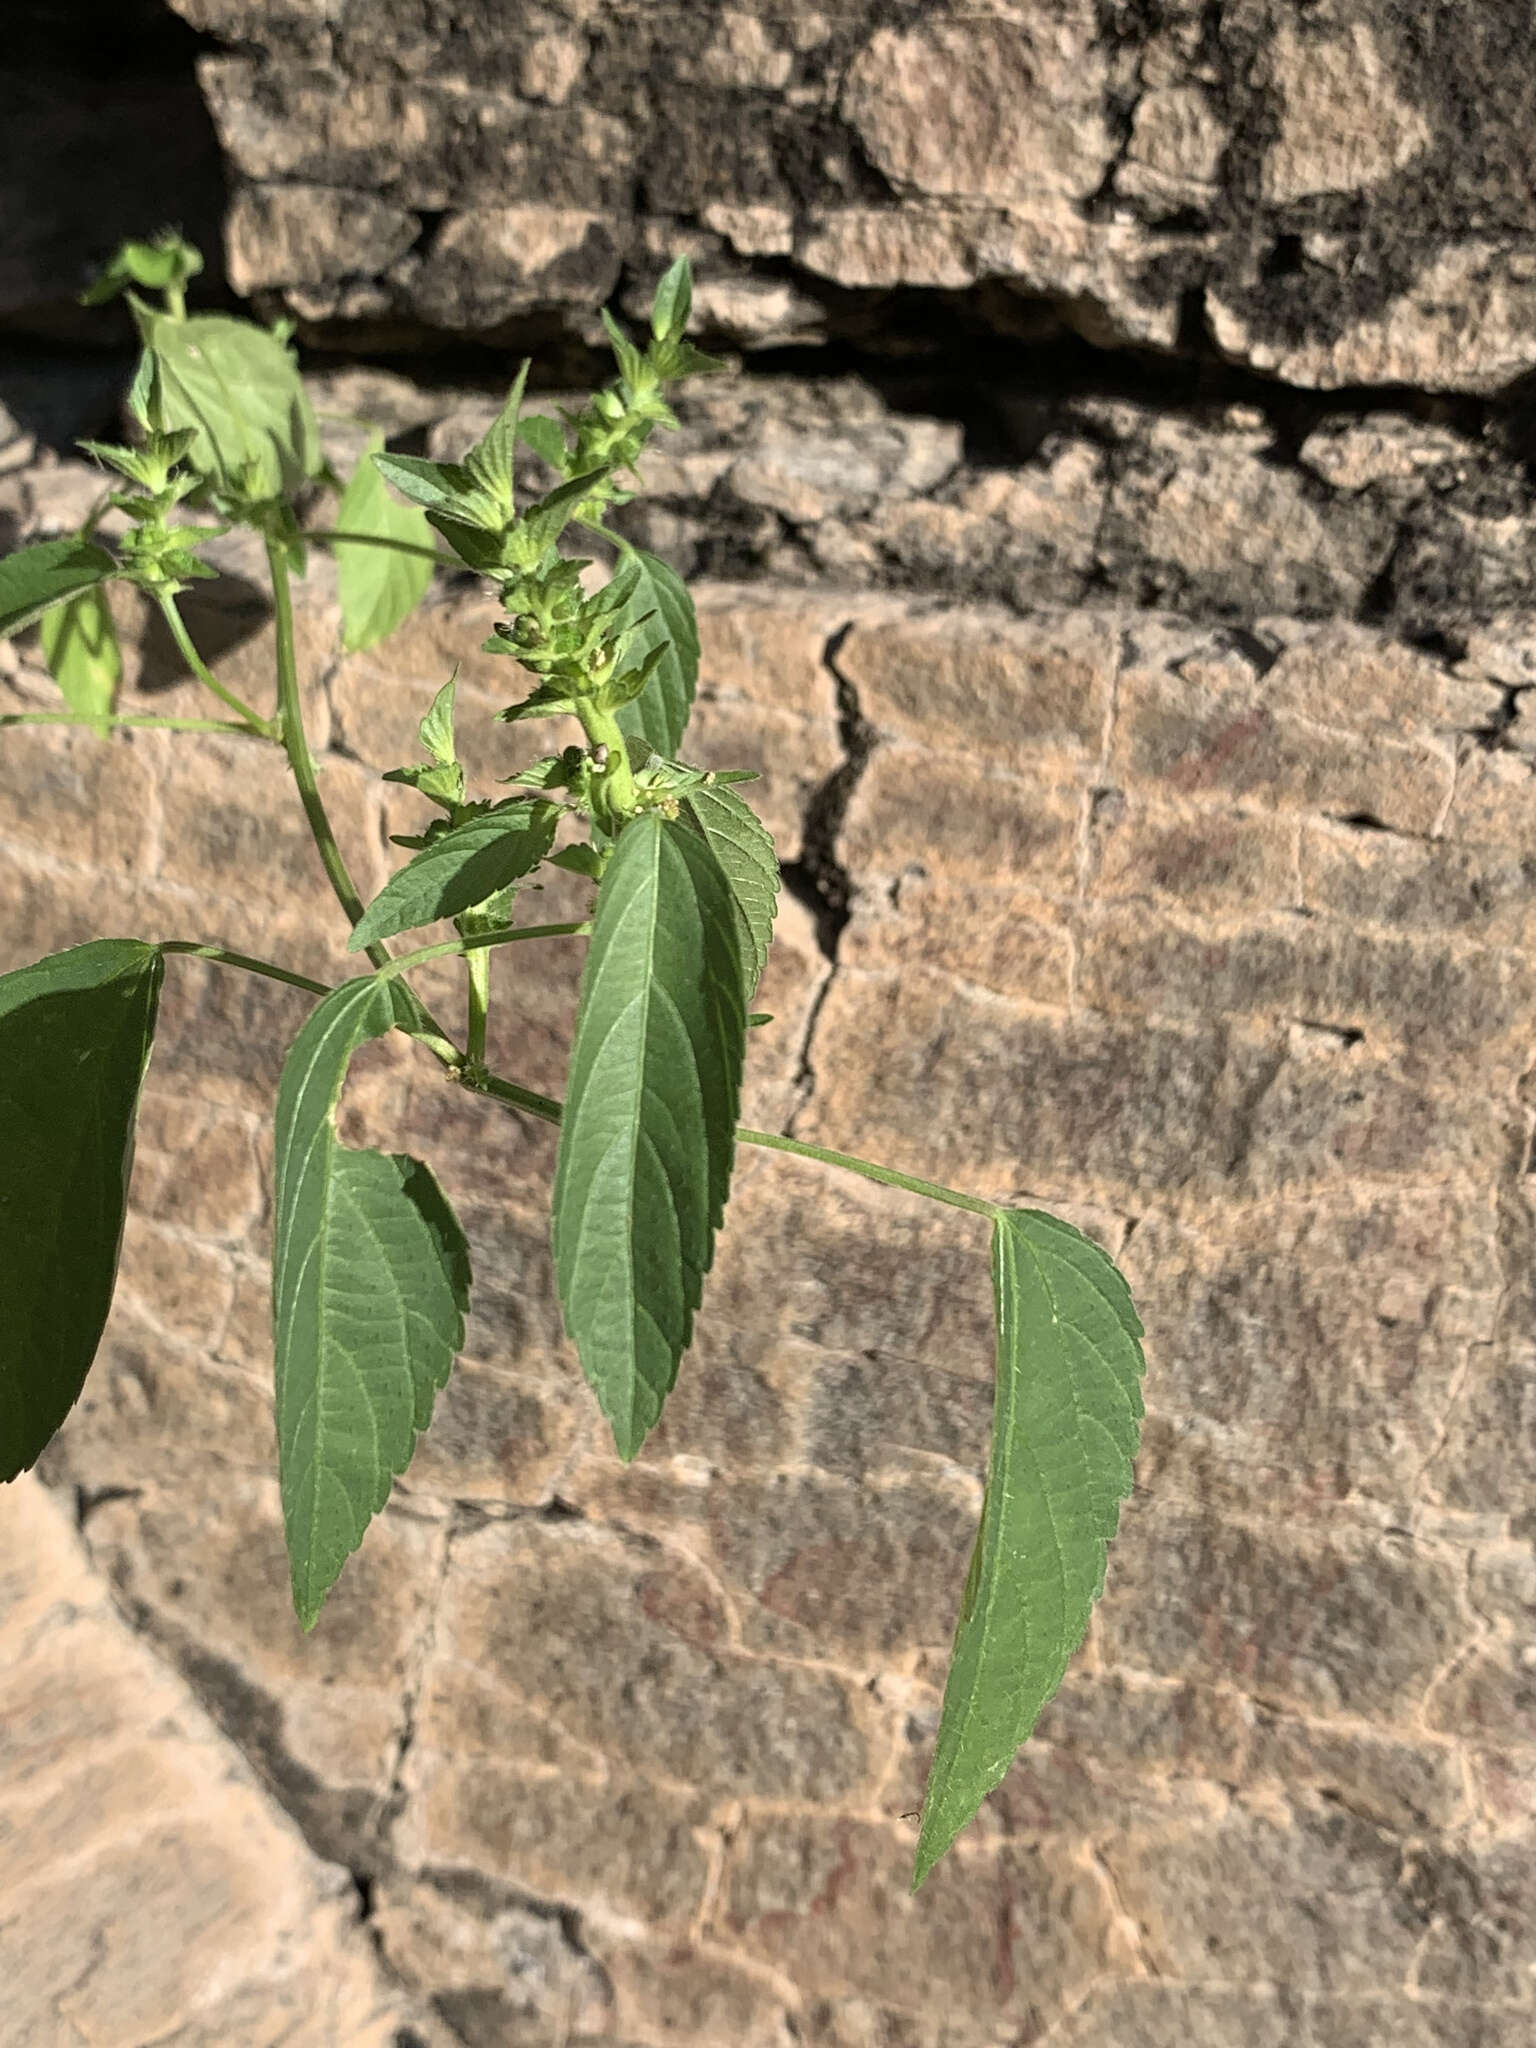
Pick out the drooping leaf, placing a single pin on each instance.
(660, 715)
(75, 1036)
(741, 843)
(648, 1131)
(240, 389)
(370, 1287)
(35, 579)
(379, 587)
(166, 261)
(1064, 1434)
(460, 868)
(83, 657)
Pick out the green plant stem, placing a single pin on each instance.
(331, 536)
(263, 727)
(223, 958)
(448, 949)
(300, 759)
(603, 730)
(477, 971)
(887, 1176)
(546, 1107)
(135, 718)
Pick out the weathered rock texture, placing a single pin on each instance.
(1146, 736)
(1143, 868)
(1337, 195)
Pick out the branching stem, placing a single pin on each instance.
(264, 728)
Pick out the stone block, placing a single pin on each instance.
(1204, 860)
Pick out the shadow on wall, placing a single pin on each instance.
(105, 135)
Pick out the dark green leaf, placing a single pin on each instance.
(35, 579)
(580, 859)
(548, 517)
(256, 435)
(379, 587)
(660, 716)
(460, 868)
(673, 302)
(648, 1132)
(1065, 1430)
(484, 550)
(370, 1287)
(75, 1036)
(83, 657)
(740, 842)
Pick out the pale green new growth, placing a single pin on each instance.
(646, 1139)
(1064, 1433)
(370, 1271)
(370, 1287)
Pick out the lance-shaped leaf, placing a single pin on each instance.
(648, 1131)
(34, 580)
(240, 389)
(660, 716)
(75, 1035)
(460, 868)
(740, 842)
(83, 657)
(379, 587)
(370, 1287)
(1064, 1432)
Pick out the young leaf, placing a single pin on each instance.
(1065, 1430)
(648, 1131)
(446, 488)
(436, 730)
(83, 657)
(75, 1036)
(489, 462)
(165, 261)
(379, 587)
(740, 842)
(35, 579)
(370, 1287)
(673, 302)
(460, 868)
(660, 716)
(240, 389)
(546, 438)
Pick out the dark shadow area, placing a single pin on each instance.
(106, 136)
(220, 617)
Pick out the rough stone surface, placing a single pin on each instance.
(1154, 780)
(1337, 196)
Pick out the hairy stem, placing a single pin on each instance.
(300, 759)
(603, 730)
(223, 958)
(330, 535)
(264, 727)
(477, 971)
(135, 718)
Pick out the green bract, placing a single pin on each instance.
(680, 882)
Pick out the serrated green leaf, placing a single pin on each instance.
(546, 438)
(35, 579)
(548, 517)
(740, 842)
(660, 715)
(483, 549)
(1064, 1434)
(256, 434)
(83, 657)
(648, 1131)
(460, 868)
(436, 730)
(75, 1036)
(490, 460)
(379, 588)
(370, 1288)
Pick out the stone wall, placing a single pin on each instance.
(1147, 743)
